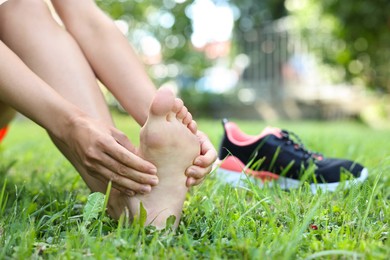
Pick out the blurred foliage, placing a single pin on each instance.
(147, 16)
(365, 28)
(175, 40)
(255, 13)
(351, 36)
(176, 47)
(355, 37)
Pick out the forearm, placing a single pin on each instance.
(110, 55)
(21, 89)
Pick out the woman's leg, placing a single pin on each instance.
(54, 56)
(49, 51)
(106, 47)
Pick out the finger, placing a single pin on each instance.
(197, 172)
(126, 158)
(129, 173)
(130, 193)
(120, 183)
(193, 182)
(208, 148)
(133, 190)
(190, 182)
(206, 160)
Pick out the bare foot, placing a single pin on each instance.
(168, 141)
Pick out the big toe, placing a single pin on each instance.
(163, 102)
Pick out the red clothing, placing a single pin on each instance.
(3, 132)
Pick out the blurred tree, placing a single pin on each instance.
(355, 37)
(165, 21)
(355, 40)
(365, 28)
(255, 14)
(169, 23)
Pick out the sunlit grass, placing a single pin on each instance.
(42, 200)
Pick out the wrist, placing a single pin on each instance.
(65, 124)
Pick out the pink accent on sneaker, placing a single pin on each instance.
(237, 137)
(232, 163)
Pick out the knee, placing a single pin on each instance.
(24, 5)
(16, 13)
(22, 8)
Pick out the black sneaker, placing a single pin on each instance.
(279, 156)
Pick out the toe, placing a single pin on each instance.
(188, 119)
(193, 127)
(163, 102)
(182, 113)
(178, 105)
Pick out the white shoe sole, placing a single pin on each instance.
(239, 179)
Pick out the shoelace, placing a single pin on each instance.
(298, 145)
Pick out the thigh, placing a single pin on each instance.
(74, 8)
(52, 53)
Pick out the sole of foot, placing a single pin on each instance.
(168, 141)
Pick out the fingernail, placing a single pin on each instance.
(154, 180)
(198, 162)
(146, 189)
(190, 172)
(130, 193)
(191, 181)
(153, 171)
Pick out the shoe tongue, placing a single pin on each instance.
(269, 130)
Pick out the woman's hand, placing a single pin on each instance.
(106, 154)
(203, 163)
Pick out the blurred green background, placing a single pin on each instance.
(265, 59)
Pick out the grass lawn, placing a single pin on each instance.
(43, 215)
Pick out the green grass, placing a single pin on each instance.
(42, 200)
